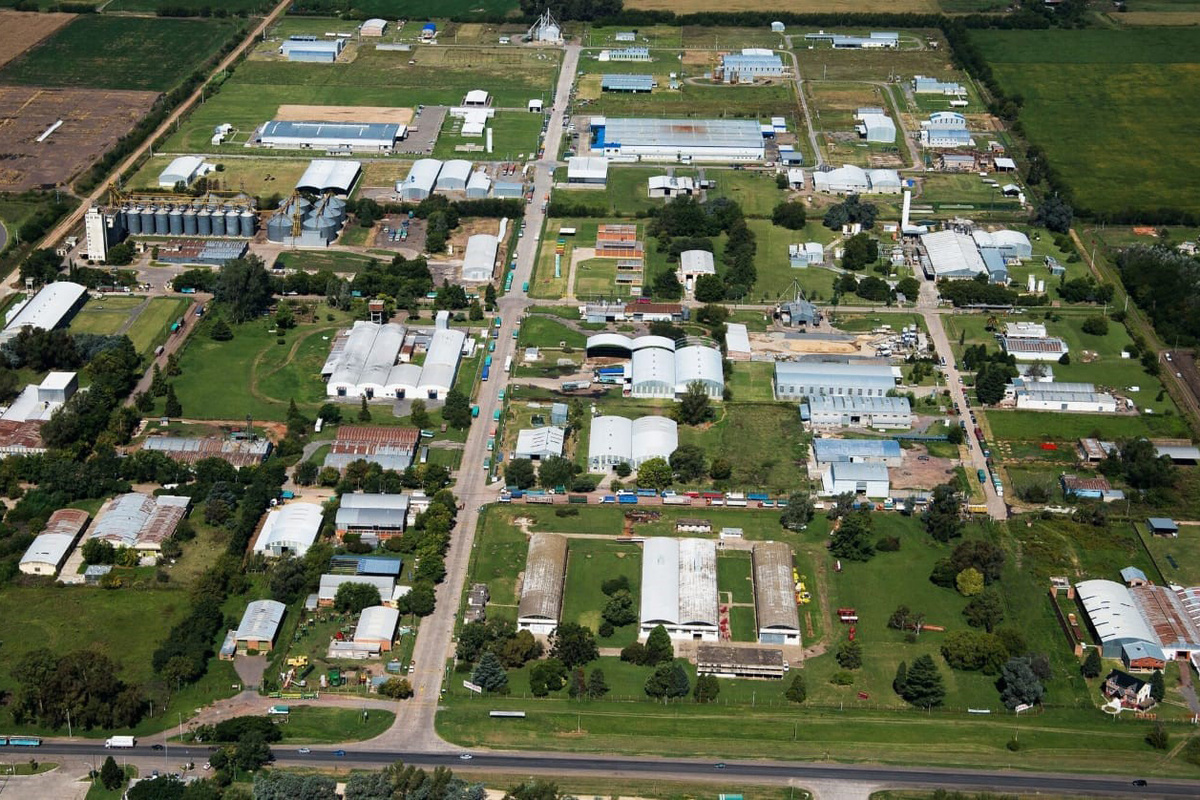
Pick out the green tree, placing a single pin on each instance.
(547, 676)
(364, 413)
(284, 318)
(667, 286)
(418, 414)
(901, 678)
(969, 582)
(852, 539)
(220, 331)
(707, 688)
(984, 610)
(849, 654)
(396, 688)
(619, 610)
(1092, 665)
(172, 408)
(791, 215)
(556, 471)
(668, 681)
(1095, 326)
(797, 692)
(860, 250)
(573, 644)
(1158, 687)
(99, 551)
(306, 473)
(622, 469)
(119, 255)
(111, 775)
(655, 473)
(709, 289)
(923, 686)
(596, 685)
(353, 597)
(1018, 684)
(1158, 738)
(243, 288)
(475, 312)
(695, 408)
(457, 410)
(688, 463)
(489, 673)
(489, 296)
(799, 511)
(519, 473)
(943, 517)
(720, 469)
(659, 647)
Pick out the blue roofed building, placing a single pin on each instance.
(1143, 656)
(366, 565)
(1134, 577)
(857, 451)
(627, 83)
(331, 136)
(312, 49)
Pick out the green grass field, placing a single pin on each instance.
(761, 441)
(515, 135)
(752, 381)
(539, 331)
(700, 100)
(105, 316)
(753, 190)
(775, 273)
(149, 328)
(1090, 101)
(239, 7)
(110, 52)
(153, 325)
(590, 563)
(314, 725)
(259, 177)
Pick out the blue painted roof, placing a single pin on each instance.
(1135, 650)
(332, 130)
(843, 450)
(1133, 574)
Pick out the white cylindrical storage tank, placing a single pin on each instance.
(175, 221)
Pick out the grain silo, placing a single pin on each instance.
(162, 223)
(190, 227)
(218, 221)
(175, 221)
(133, 219)
(204, 221)
(249, 223)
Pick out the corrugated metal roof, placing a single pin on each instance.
(737, 338)
(684, 132)
(56, 539)
(328, 588)
(480, 258)
(774, 597)
(627, 83)
(261, 620)
(292, 527)
(326, 174)
(653, 437)
(844, 450)
(1113, 612)
(539, 442)
(377, 624)
(679, 582)
(545, 574)
(48, 307)
(139, 520)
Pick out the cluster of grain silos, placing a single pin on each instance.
(198, 219)
(304, 223)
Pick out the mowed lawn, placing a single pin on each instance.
(153, 325)
(762, 442)
(590, 562)
(1093, 100)
(105, 316)
(107, 52)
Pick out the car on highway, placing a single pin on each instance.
(156, 747)
(720, 765)
(466, 756)
(1142, 781)
(304, 751)
(339, 753)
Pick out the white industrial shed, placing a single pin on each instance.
(652, 372)
(421, 180)
(676, 139)
(478, 186)
(620, 440)
(1012, 244)
(884, 181)
(183, 168)
(699, 364)
(1114, 614)
(260, 625)
(289, 530)
(49, 550)
(377, 627)
(328, 588)
(587, 170)
(618, 346)
(737, 342)
(774, 594)
(876, 128)
(542, 587)
(329, 175)
(441, 363)
(869, 480)
(867, 412)
(454, 175)
(797, 379)
(679, 588)
(51, 307)
(364, 365)
(843, 180)
(373, 27)
(952, 255)
(138, 520)
(338, 136)
(480, 258)
(693, 264)
(539, 443)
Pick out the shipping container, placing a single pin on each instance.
(628, 499)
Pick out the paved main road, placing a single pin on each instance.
(414, 726)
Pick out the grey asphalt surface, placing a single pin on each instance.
(737, 772)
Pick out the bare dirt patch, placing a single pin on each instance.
(298, 113)
(21, 30)
(917, 474)
(92, 121)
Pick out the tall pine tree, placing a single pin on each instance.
(489, 673)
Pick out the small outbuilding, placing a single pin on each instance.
(259, 626)
(377, 627)
(542, 588)
(1163, 526)
(539, 443)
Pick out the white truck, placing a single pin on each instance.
(120, 741)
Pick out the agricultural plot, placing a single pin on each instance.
(258, 177)
(108, 52)
(24, 29)
(514, 136)
(793, 6)
(233, 7)
(92, 121)
(700, 100)
(1091, 101)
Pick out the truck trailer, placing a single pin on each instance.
(120, 742)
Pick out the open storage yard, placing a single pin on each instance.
(92, 121)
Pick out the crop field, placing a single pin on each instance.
(233, 7)
(701, 100)
(792, 6)
(91, 122)
(1091, 100)
(107, 52)
(24, 29)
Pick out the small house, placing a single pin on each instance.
(1131, 692)
(1162, 526)
(1134, 577)
(1143, 656)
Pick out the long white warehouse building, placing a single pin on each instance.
(365, 365)
(620, 440)
(679, 588)
(679, 139)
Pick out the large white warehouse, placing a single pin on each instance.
(51, 307)
(542, 587)
(421, 180)
(363, 364)
(798, 379)
(679, 588)
(620, 440)
(289, 530)
(679, 139)
(480, 258)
